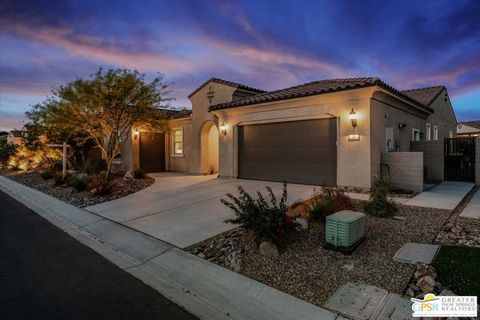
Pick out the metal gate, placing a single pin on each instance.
(460, 159)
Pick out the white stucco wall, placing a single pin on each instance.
(353, 157)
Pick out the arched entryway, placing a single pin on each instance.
(209, 148)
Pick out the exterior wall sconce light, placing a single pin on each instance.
(223, 129)
(136, 134)
(352, 116)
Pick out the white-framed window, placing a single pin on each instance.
(415, 134)
(435, 132)
(428, 134)
(177, 141)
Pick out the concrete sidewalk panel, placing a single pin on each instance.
(133, 243)
(241, 297)
(447, 195)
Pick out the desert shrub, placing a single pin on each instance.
(379, 204)
(6, 151)
(27, 159)
(99, 186)
(93, 166)
(327, 201)
(78, 182)
(59, 179)
(49, 173)
(267, 220)
(139, 173)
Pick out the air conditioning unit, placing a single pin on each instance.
(344, 231)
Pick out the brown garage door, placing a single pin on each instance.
(152, 151)
(297, 152)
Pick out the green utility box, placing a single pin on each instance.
(345, 230)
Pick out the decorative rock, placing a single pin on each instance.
(409, 292)
(348, 266)
(268, 249)
(201, 255)
(302, 224)
(426, 284)
(447, 293)
(425, 270)
(128, 176)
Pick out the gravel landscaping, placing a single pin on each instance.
(308, 271)
(460, 230)
(83, 198)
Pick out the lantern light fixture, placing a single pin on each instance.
(352, 116)
(223, 129)
(136, 134)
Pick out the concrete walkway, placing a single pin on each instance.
(447, 195)
(202, 288)
(473, 208)
(183, 209)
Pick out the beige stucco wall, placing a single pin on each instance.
(11, 139)
(179, 163)
(201, 117)
(387, 111)
(353, 157)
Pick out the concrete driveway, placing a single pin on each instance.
(184, 209)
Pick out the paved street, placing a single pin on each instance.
(46, 274)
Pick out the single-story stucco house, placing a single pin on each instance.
(328, 132)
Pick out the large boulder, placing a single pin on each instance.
(302, 224)
(268, 249)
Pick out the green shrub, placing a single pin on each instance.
(93, 166)
(379, 204)
(139, 173)
(49, 173)
(327, 201)
(268, 221)
(78, 182)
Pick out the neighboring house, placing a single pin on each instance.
(301, 134)
(469, 129)
(15, 137)
(3, 136)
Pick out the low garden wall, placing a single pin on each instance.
(405, 170)
(433, 158)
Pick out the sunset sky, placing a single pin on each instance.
(264, 44)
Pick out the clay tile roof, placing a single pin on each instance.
(473, 124)
(176, 114)
(424, 95)
(227, 83)
(17, 133)
(315, 88)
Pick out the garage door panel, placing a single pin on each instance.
(298, 152)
